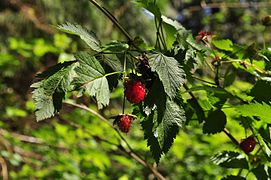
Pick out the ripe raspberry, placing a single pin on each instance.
(134, 91)
(124, 122)
(248, 144)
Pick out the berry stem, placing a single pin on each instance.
(123, 79)
(226, 131)
(130, 152)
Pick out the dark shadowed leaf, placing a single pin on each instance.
(261, 172)
(152, 141)
(215, 122)
(232, 177)
(261, 91)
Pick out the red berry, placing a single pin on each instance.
(135, 91)
(248, 144)
(124, 122)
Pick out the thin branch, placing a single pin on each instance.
(30, 139)
(208, 82)
(130, 150)
(112, 18)
(84, 107)
(4, 168)
(226, 131)
(27, 154)
(31, 14)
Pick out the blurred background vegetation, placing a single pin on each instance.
(68, 146)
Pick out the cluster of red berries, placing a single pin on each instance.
(248, 144)
(135, 93)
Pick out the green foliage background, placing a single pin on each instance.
(68, 146)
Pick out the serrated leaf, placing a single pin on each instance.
(48, 93)
(171, 28)
(262, 111)
(230, 159)
(54, 69)
(169, 72)
(151, 100)
(224, 44)
(44, 104)
(215, 122)
(92, 77)
(168, 128)
(152, 141)
(88, 37)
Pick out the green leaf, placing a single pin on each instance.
(230, 159)
(150, 6)
(168, 128)
(92, 77)
(169, 72)
(48, 93)
(172, 27)
(87, 37)
(215, 122)
(152, 141)
(54, 69)
(224, 44)
(262, 111)
(115, 47)
(261, 91)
